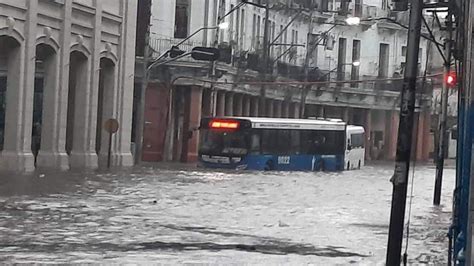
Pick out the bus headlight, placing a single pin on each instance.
(236, 159)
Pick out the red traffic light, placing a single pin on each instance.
(450, 79)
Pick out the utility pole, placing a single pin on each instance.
(309, 52)
(215, 44)
(405, 132)
(265, 50)
(444, 113)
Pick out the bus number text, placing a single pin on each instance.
(283, 159)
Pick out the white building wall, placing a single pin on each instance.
(96, 28)
(371, 37)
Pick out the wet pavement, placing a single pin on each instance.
(182, 215)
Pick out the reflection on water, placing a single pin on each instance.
(199, 216)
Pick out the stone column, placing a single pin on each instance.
(387, 133)
(393, 134)
(238, 101)
(157, 132)
(246, 103)
(229, 104)
(221, 103)
(254, 106)
(262, 107)
(346, 115)
(206, 103)
(53, 145)
(269, 107)
(192, 122)
(16, 154)
(295, 113)
(126, 80)
(277, 109)
(321, 111)
(368, 130)
(286, 109)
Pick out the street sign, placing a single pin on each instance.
(175, 52)
(111, 126)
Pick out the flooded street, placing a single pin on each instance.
(196, 216)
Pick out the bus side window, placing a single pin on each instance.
(283, 142)
(296, 147)
(269, 141)
(255, 143)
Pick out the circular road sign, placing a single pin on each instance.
(111, 125)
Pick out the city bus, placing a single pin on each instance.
(280, 144)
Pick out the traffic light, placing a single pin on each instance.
(205, 54)
(451, 79)
(399, 5)
(175, 52)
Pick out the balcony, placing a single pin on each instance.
(160, 46)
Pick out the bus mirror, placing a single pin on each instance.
(349, 146)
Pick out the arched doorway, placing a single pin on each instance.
(77, 77)
(105, 105)
(10, 67)
(45, 84)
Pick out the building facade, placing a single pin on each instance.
(66, 66)
(366, 93)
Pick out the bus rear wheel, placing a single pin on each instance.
(322, 167)
(269, 166)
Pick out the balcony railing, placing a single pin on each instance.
(159, 46)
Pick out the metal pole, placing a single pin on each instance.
(215, 44)
(266, 46)
(443, 116)
(109, 152)
(266, 42)
(405, 132)
(309, 51)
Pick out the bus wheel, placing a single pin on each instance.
(268, 166)
(348, 166)
(358, 167)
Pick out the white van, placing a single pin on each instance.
(355, 147)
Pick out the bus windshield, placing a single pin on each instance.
(216, 142)
(301, 141)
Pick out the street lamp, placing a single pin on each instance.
(353, 21)
(356, 63)
(223, 25)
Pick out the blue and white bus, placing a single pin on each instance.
(280, 144)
